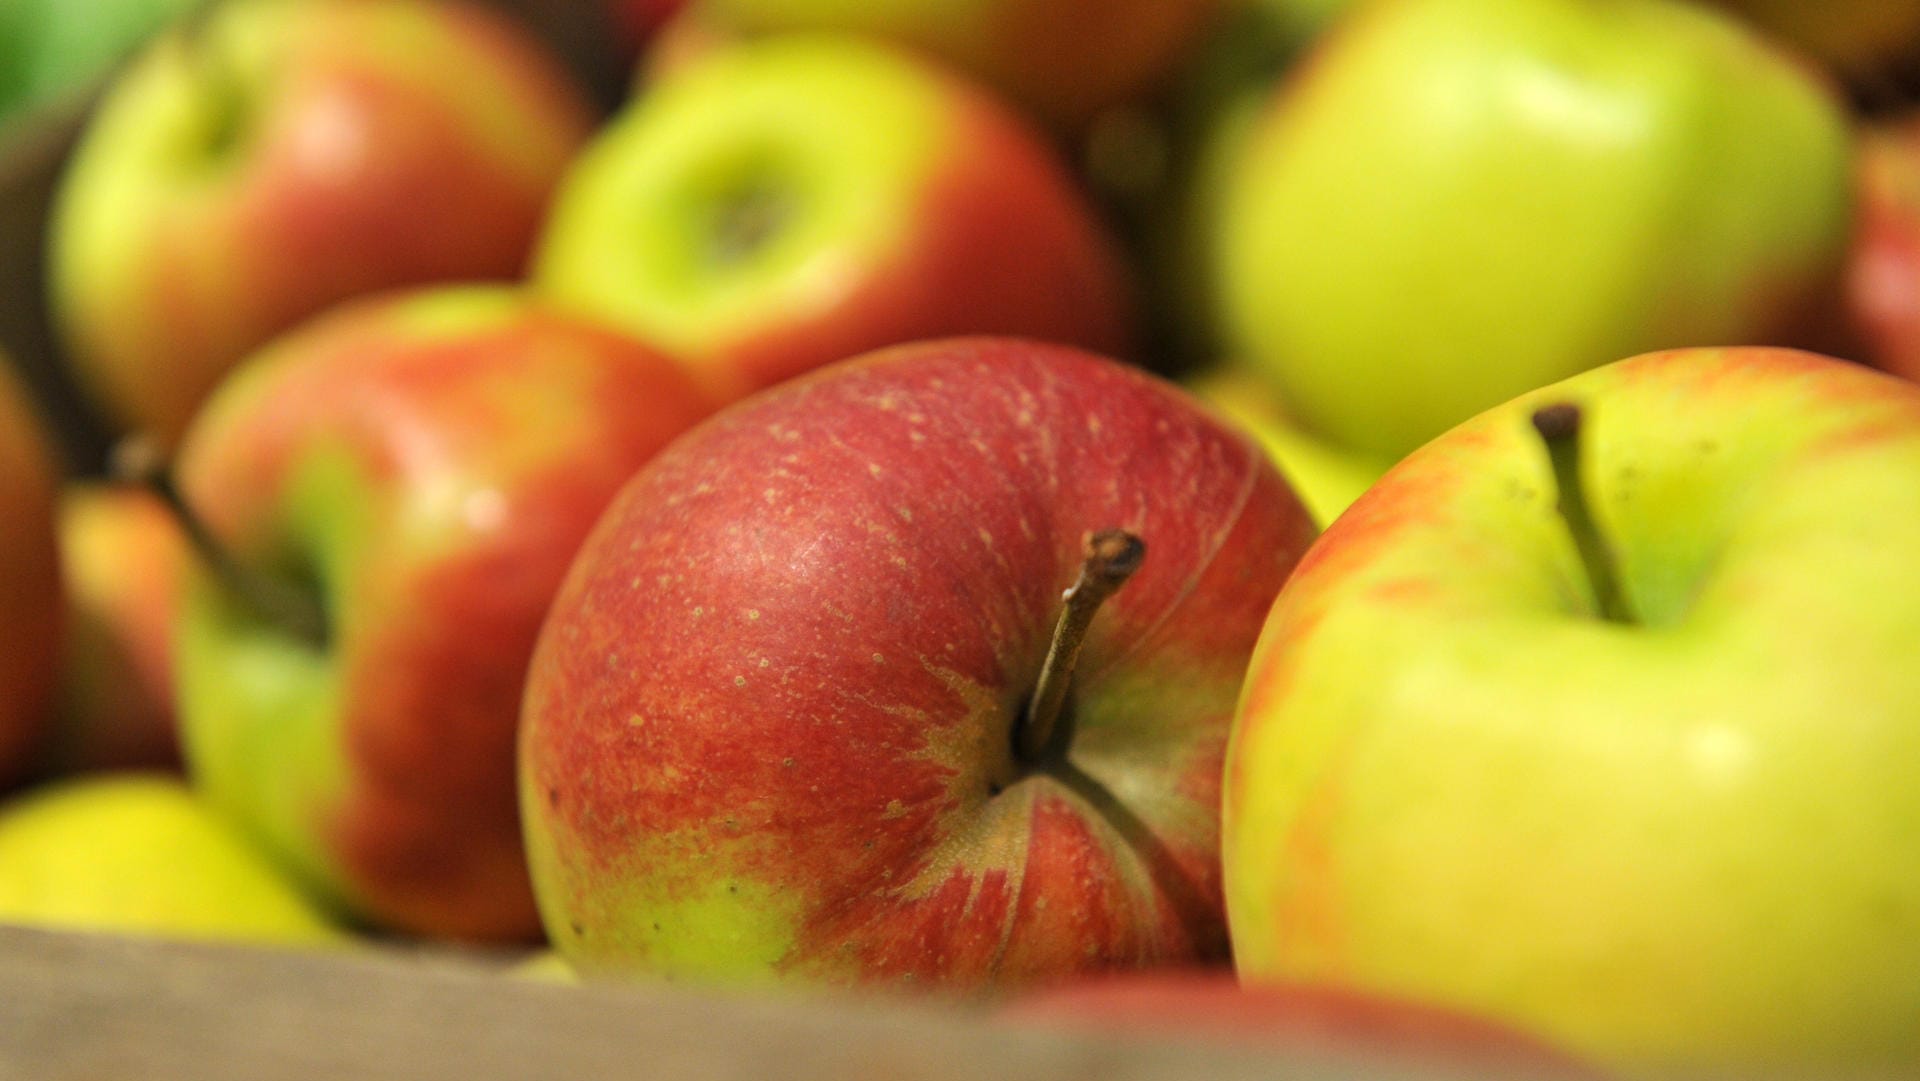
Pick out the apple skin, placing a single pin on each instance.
(892, 202)
(1855, 36)
(124, 560)
(139, 853)
(1883, 267)
(1061, 60)
(1327, 478)
(1327, 1023)
(32, 604)
(284, 156)
(1595, 181)
(428, 463)
(1680, 848)
(768, 732)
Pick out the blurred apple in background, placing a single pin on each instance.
(123, 558)
(32, 606)
(419, 470)
(1384, 1036)
(1459, 200)
(776, 205)
(1857, 37)
(135, 853)
(278, 156)
(1061, 60)
(1611, 739)
(1883, 270)
(780, 723)
(49, 48)
(1327, 478)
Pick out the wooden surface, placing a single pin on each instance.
(92, 1008)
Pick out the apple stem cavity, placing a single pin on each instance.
(1559, 426)
(1112, 557)
(138, 460)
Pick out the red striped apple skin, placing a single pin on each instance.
(374, 144)
(430, 462)
(768, 729)
(32, 610)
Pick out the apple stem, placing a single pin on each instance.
(1559, 426)
(1112, 557)
(138, 460)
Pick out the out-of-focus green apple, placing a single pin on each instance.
(140, 854)
(1325, 477)
(53, 47)
(1456, 201)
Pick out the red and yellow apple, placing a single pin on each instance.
(772, 206)
(1883, 267)
(421, 468)
(778, 725)
(32, 607)
(256, 166)
(1610, 740)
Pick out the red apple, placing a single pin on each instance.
(770, 206)
(778, 723)
(1883, 268)
(124, 559)
(423, 468)
(31, 609)
(260, 164)
(1299, 1019)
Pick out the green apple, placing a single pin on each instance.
(1327, 478)
(54, 47)
(253, 168)
(137, 853)
(418, 468)
(1611, 740)
(1459, 200)
(774, 205)
(32, 605)
(1064, 60)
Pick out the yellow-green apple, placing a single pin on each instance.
(1883, 266)
(1062, 60)
(32, 607)
(1856, 36)
(138, 853)
(793, 717)
(1326, 477)
(1459, 200)
(257, 165)
(123, 559)
(1311, 1024)
(422, 468)
(774, 205)
(1606, 730)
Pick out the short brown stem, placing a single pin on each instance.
(138, 460)
(1560, 427)
(1112, 557)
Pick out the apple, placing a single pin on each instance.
(1610, 740)
(792, 717)
(1459, 200)
(1858, 37)
(420, 468)
(32, 606)
(123, 560)
(264, 162)
(1062, 60)
(1883, 266)
(138, 853)
(772, 206)
(1327, 1024)
(1327, 478)
(49, 48)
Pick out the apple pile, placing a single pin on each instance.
(1379, 530)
